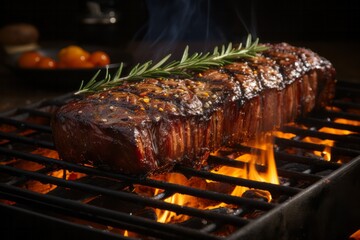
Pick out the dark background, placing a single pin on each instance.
(271, 20)
(152, 28)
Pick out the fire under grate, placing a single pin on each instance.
(43, 196)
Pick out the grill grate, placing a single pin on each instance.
(104, 204)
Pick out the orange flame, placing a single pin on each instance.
(265, 159)
(326, 153)
(251, 162)
(179, 199)
(32, 166)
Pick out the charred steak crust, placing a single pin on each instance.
(149, 126)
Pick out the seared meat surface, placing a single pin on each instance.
(150, 125)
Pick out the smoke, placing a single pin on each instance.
(201, 24)
(177, 23)
(249, 27)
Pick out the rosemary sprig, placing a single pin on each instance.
(180, 68)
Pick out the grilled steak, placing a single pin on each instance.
(150, 125)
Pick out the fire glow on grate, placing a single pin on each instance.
(239, 184)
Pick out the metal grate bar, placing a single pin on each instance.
(117, 217)
(346, 115)
(316, 122)
(298, 175)
(224, 161)
(36, 213)
(22, 179)
(316, 162)
(36, 112)
(279, 155)
(147, 182)
(23, 125)
(238, 181)
(246, 149)
(147, 201)
(27, 140)
(345, 105)
(322, 135)
(299, 144)
(129, 197)
(202, 226)
(352, 89)
(315, 147)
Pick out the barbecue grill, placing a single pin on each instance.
(317, 198)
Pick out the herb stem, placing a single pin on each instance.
(195, 62)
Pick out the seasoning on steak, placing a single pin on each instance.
(150, 125)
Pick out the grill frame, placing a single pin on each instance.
(309, 211)
(276, 212)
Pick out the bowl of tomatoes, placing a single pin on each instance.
(64, 67)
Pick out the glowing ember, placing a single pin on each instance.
(326, 153)
(33, 166)
(283, 135)
(46, 153)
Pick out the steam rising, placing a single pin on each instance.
(200, 24)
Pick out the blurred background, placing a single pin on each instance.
(138, 30)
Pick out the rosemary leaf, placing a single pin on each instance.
(195, 62)
(119, 71)
(159, 64)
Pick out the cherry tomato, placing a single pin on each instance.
(29, 59)
(73, 56)
(88, 64)
(46, 63)
(69, 57)
(80, 64)
(99, 58)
